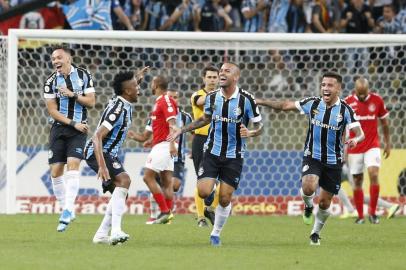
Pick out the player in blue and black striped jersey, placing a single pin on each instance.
(101, 153)
(68, 93)
(323, 152)
(228, 111)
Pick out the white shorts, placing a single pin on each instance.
(159, 159)
(357, 162)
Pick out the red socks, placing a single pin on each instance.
(359, 202)
(161, 201)
(374, 194)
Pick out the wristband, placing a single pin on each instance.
(75, 96)
(72, 123)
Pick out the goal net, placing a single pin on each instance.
(272, 66)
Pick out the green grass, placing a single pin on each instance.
(249, 242)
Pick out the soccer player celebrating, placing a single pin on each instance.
(210, 80)
(369, 107)
(229, 111)
(160, 159)
(102, 150)
(68, 92)
(323, 151)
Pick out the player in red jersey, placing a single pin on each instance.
(160, 159)
(368, 107)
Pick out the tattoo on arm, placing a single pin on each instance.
(198, 123)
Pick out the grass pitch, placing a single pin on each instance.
(249, 242)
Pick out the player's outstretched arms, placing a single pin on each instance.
(139, 137)
(359, 137)
(198, 123)
(245, 132)
(97, 139)
(139, 76)
(284, 105)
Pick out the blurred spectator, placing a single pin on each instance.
(296, 18)
(335, 8)
(254, 12)
(277, 16)
(376, 7)
(212, 17)
(388, 24)
(321, 22)
(183, 18)
(137, 16)
(155, 14)
(120, 15)
(235, 14)
(88, 15)
(4, 5)
(401, 18)
(357, 18)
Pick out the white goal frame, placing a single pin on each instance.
(230, 40)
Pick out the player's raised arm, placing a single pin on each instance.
(284, 105)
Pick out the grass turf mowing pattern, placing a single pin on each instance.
(249, 242)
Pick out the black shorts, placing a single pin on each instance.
(197, 150)
(329, 174)
(179, 170)
(113, 164)
(225, 169)
(65, 141)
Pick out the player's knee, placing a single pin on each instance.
(324, 204)
(224, 201)
(308, 190)
(203, 193)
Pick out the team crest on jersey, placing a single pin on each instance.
(371, 107)
(170, 109)
(116, 165)
(339, 117)
(112, 117)
(50, 154)
(237, 111)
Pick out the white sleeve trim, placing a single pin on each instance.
(89, 90)
(49, 95)
(256, 119)
(353, 125)
(107, 125)
(297, 104)
(386, 115)
(170, 117)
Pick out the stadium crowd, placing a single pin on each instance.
(282, 16)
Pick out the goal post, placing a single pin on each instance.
(273, 65)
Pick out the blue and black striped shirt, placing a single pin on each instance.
(224, 137)
(78, 81)
(117, 118)
(324, 140)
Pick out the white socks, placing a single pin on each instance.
(222, 214)
(58, 186)
(153, 207)
(321, 218)
(308, 200)
(106, 223)
(72, 189)
(346, 202)
(117, 208)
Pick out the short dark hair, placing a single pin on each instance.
(119, 79)
(333, 74)
(162, 82)
(209, 68)
(63, 47)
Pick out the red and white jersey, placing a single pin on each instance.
(367, 113)
(165, 108)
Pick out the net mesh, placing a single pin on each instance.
(272, 167)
